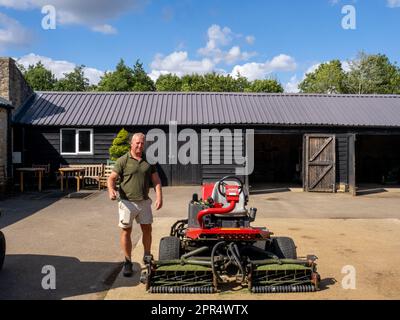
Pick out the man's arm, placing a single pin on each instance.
(111, 185)
(157, 185)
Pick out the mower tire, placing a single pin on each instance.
(170, 248)
(2, 249)
(284, 248)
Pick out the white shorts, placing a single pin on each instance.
(138, 210)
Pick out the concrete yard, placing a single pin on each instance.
(79, 237)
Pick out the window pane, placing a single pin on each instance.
(84, 141)
(68, 141)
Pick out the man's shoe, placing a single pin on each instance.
(147, 258)
(128, 270)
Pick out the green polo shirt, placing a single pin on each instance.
(135, 177)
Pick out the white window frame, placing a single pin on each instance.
(77, 152)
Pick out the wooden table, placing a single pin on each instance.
(40, 172)
(78, 174)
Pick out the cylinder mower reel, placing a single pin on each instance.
(217, 245)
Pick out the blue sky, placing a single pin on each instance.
(259, 39)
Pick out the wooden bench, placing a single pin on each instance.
(106, 173)
(93, 172)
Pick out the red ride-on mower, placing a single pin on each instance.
(217, 245)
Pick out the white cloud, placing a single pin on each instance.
(313, 68)
(179, 63)
(250, 39)
(59, 67)
(12, 33)
(255, 70)
(221, 37)
(17, 4)
(92, 13)
(217, 37)
(292, 85)
(393, 3)
(345, 66)
(105, 28)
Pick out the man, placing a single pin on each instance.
(136, 175)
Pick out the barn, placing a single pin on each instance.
(324, 143)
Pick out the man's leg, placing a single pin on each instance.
(126, 245)
(146, 238)
(126, 242)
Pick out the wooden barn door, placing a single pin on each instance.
(320, 163)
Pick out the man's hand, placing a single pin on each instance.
(112, 193)
(157, 185)
(158, 204)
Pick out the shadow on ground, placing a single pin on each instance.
(21, 277)
(20, 206)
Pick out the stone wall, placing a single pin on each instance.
(13, 86)
(15, 89)
(3, 147)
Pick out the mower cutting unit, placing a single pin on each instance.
(216, 245)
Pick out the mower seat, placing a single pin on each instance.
(240, 208)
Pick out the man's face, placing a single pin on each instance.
(137, 145)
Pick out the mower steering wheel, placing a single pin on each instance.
(221, 184)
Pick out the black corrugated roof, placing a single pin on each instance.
(158, 108)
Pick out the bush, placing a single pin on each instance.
(120, 145)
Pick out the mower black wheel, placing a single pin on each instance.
(284, 248)
(170, 248)
(2, 249)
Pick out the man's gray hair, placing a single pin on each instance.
(138, 135)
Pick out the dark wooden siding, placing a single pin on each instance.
(342, 158)
(42, 146)
(212, 172)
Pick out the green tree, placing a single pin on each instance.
(396, 82)
(372, 74)
(92, 87)
(169, 82)
(119, 80)
(120, 145)
(267, 85)
(194, 82)
(220, 83)
(242, 83)
(73, 81)
(141, 81)
(39, 78)
(328, 78)
(213, 82)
